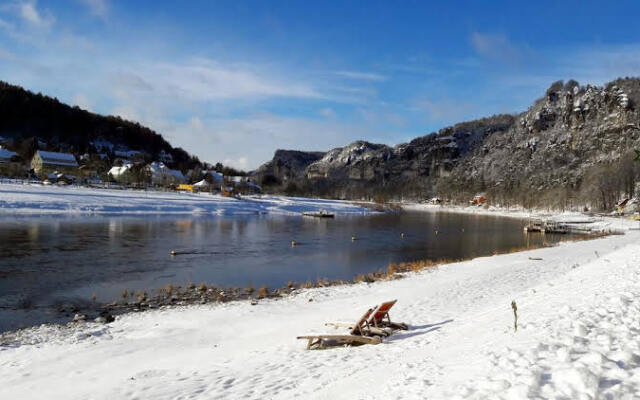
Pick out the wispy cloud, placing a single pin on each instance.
(249, 141)
(445, 110)
(363, 76)
(495, 46)
(29, 12)
(327, 112)
(209, 80)
(98, 8)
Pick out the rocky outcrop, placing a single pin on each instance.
(559, 143)
(286, 165)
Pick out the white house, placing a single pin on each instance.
(121, 173)
(162, 175)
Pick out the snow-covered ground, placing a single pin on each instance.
(570, 218)
(579, 321)
(30, 199)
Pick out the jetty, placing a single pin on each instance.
(550, 226)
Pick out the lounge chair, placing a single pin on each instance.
(380, 318)
(359, 334)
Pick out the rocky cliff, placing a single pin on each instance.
(571, 145)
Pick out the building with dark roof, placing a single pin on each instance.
(46, 162)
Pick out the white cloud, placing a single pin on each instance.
(327, 112)
(445, 110)
(205, 80)
(6, 54)
(209, 80)
(495, 46)
(29, 12)
(99, 8)
(365, 76)
(250, 141)
(239, 163)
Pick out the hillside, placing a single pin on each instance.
(574, 146)
(57, 126)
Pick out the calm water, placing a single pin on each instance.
(46, 262)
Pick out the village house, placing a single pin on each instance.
(478, 199)
(121, 174)
(161, 175)
(244, 185)
(214, 178)
(47, 162)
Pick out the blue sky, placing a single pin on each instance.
(233, 81)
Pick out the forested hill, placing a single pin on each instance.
(25, 115)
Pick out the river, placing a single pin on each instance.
(51, 263)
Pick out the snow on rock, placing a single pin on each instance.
(578, 308)
(16, 199)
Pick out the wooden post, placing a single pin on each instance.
(515, 315)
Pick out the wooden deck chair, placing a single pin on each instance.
(363, 327)
(380, 317)
(355, 337)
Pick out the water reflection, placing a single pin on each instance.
(44, 262)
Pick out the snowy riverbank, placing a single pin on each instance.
(573, 219)
(34, 199)
(578, 306)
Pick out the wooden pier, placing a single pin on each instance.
(550, 227)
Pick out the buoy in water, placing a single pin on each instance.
(436, 232)
(173, 253)
(293, 243)
(353, 238)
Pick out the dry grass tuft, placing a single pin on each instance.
(392, 269)
(322, 282)
(169, 288)
(202, 287)
(291, 284)
(263, 292)
(125, 294)
(250, 289)
(306, 285)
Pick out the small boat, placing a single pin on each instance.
(319, 214)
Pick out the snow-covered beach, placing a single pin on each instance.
(578, 312)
